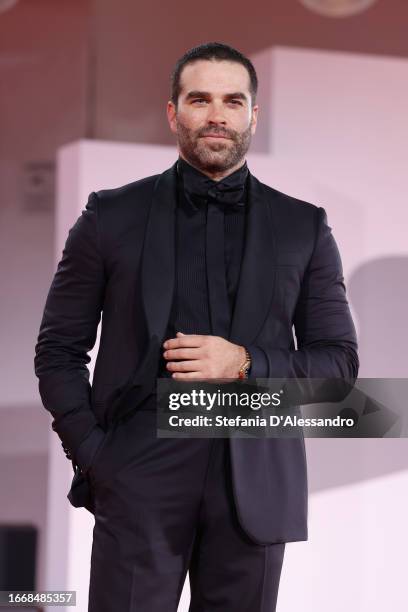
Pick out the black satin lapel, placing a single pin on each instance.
(257, 276)
(158, 259)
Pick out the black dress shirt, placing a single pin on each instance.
(198, 307)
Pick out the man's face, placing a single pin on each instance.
(214, 120)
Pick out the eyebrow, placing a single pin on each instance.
(206, 94)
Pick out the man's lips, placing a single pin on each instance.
(215, 136)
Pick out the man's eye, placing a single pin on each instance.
(236, 102)
(199, 100)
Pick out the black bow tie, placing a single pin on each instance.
(199, 188)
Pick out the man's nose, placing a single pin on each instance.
(216, 114)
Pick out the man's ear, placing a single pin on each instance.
(254, 118)
(172, 116)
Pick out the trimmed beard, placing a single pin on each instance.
(212, 156)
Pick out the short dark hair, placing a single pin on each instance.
(212, 51)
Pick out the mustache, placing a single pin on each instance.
(218, 132)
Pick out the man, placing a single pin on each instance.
(200, 272)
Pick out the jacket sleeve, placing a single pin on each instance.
(325, 332)
(68, 332)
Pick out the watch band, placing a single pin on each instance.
(244, 369)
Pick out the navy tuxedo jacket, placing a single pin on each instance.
(119, 260)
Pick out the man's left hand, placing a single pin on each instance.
(191, 356)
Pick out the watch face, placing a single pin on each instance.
(337, 8)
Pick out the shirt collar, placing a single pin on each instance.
(198, 187)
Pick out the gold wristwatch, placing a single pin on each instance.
(244, 369)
